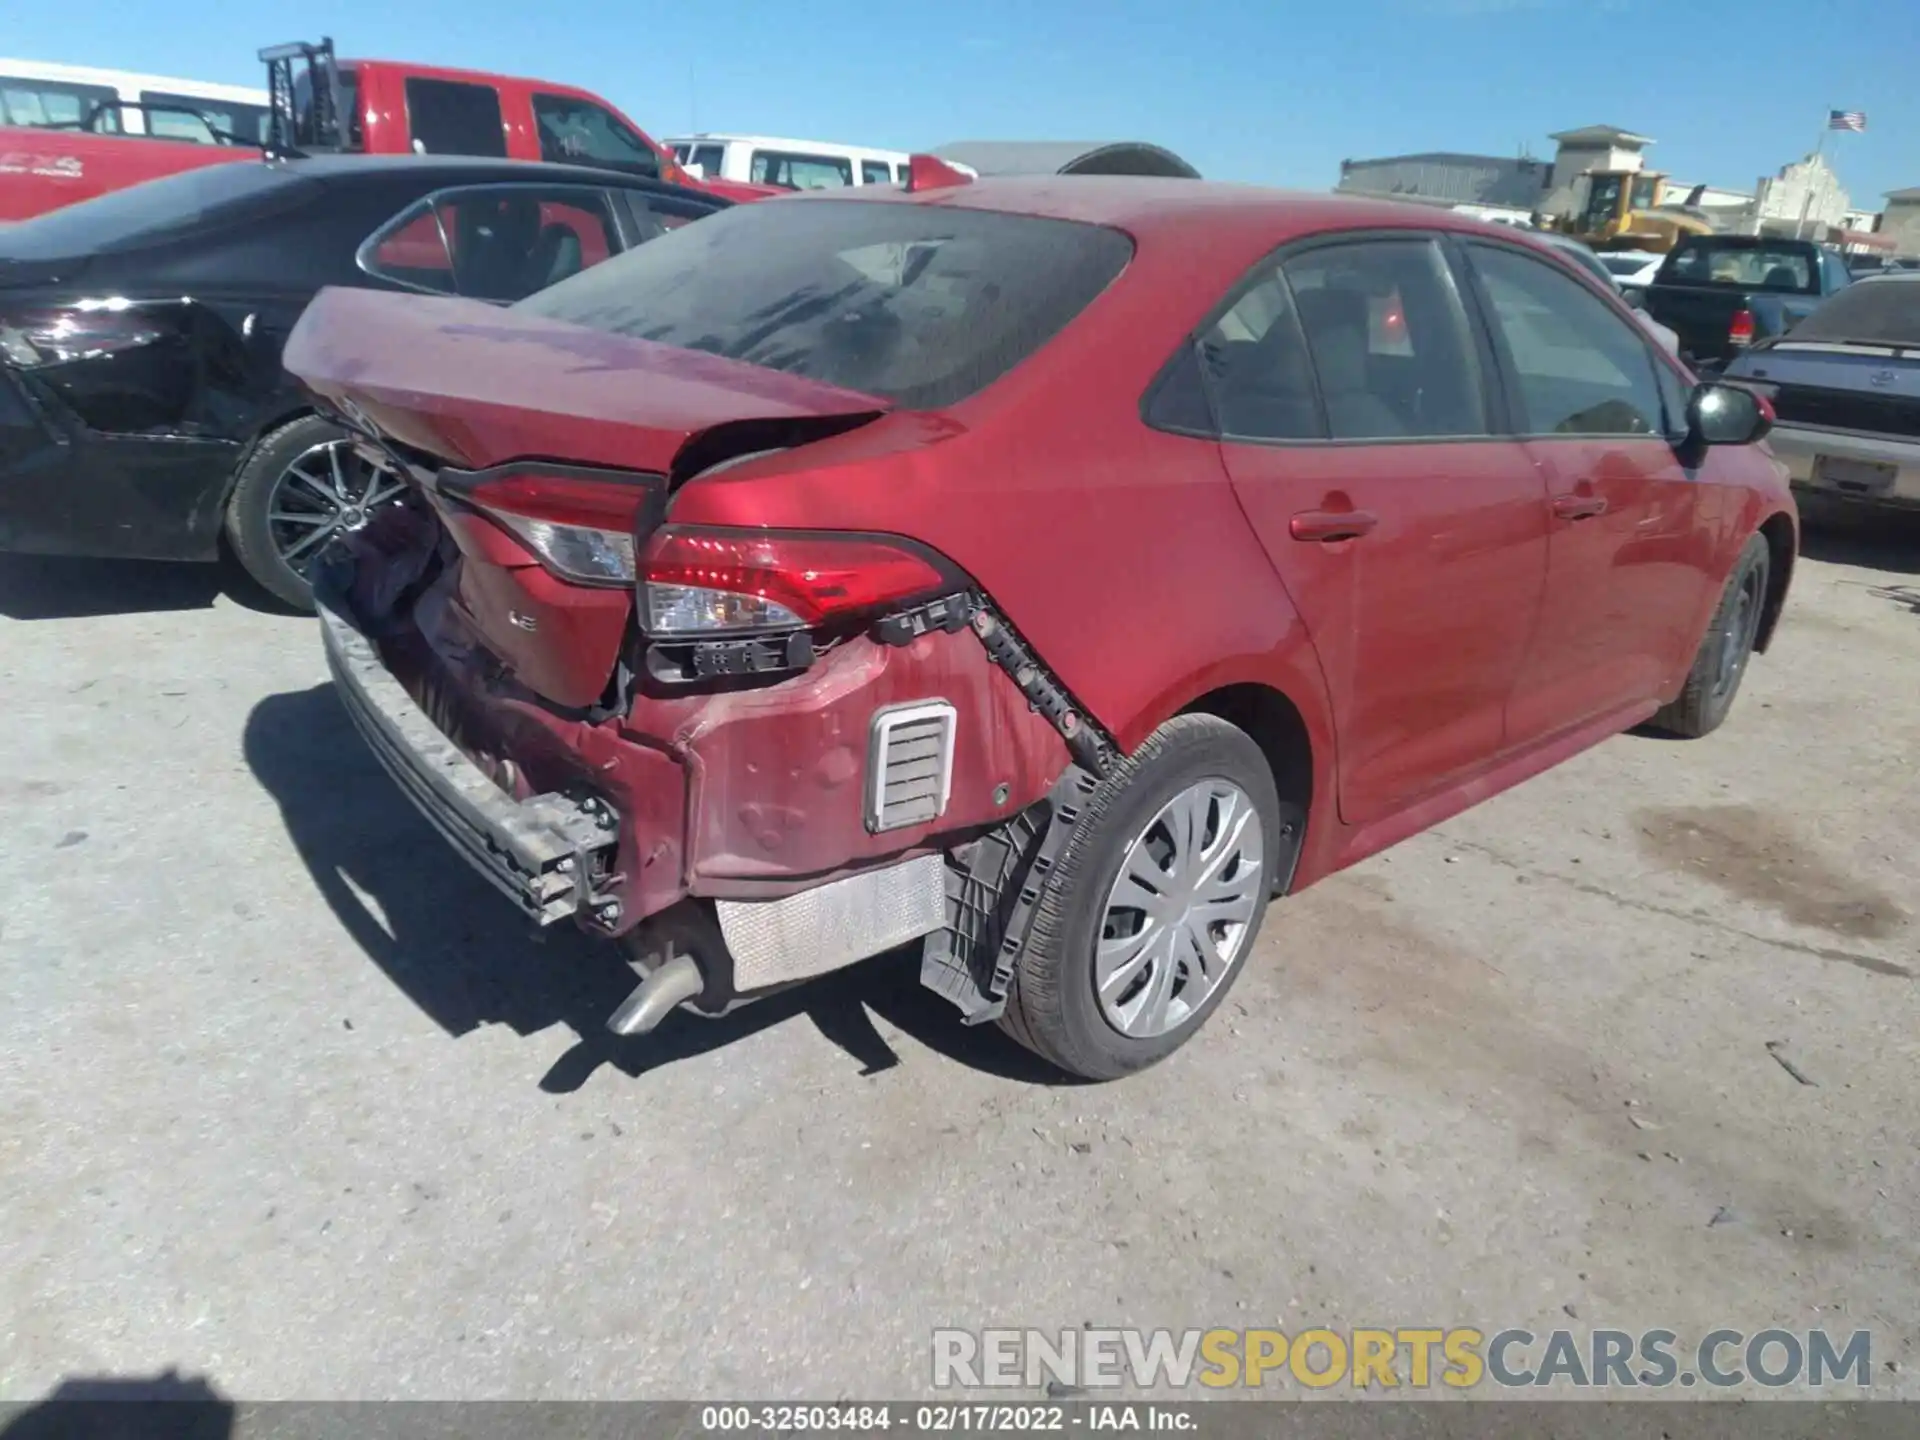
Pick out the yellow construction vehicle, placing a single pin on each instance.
(1629, 210)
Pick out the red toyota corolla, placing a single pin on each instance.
(1048, 570)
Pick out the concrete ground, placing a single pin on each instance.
(290, 1101)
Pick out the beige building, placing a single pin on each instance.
(1595, 147)
(1900, 221)
(1806, 191)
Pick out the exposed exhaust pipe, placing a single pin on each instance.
(654, 998)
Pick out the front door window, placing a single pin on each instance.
(579, 132)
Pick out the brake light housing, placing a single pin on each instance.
(698, 582)
(579, 524)
(1740, 328)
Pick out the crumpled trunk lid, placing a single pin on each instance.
(477, 387)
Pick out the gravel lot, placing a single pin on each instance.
(289, 1100)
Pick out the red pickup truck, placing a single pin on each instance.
(376, 107)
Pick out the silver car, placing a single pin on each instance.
(1845, 388)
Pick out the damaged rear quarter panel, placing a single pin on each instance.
(779, 775)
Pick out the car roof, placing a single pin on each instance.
(1149, 206)
(1204, 223)
(336, 167)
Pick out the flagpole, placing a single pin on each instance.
(1819, 148)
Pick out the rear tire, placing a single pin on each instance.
(1195, 812)
(299, 490)
(1721, 662)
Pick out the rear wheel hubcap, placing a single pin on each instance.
(1178, 915)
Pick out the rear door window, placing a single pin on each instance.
(56, 102)
(920, 304)
(494, 242)
(1252, 374)
(450, 117)
(1389, 341)
(800, 172)
(579, 132)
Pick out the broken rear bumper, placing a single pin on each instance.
(542, 853)
(746, 806)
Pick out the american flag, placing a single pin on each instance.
(1855, 120)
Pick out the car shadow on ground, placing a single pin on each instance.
(456, 949)
(164, 1407)
(1840, 534)
(58, 587)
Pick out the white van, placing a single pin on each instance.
(790, 164)
(34, 92)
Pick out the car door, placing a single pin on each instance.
(1358, 425)
(1628, 553)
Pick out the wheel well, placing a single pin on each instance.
(264, 427)
(1276, 727)
(1778, 531)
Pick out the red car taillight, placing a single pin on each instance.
(696, 580)
(1740, 330)
(580, 529)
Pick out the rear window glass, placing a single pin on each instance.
(450, 117)
(924, 305)
(1745, 264)
(176, 205)
(1873, 312)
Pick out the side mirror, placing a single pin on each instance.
(1727, 415)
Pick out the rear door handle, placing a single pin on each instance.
(1326, 526)
(1579, 507)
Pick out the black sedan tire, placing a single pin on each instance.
(302, 488)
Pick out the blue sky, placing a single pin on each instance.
(1273, 93)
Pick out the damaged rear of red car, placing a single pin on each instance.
(1052, 570)
(598, 653)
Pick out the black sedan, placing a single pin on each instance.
(143, 411)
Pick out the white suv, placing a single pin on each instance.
(790, 164)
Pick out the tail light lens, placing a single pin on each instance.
(707, 581)
(30, 339)
(581, 530)
(1740, 331)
